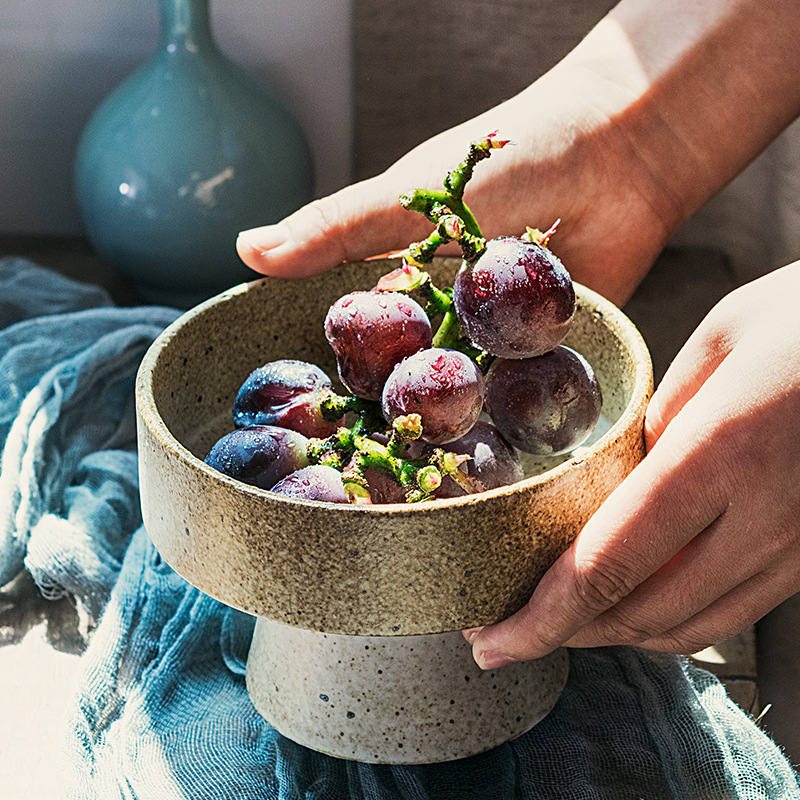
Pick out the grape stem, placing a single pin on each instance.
(370, 420)
(535, 236)
(454, 222)
(447, 210)
(353, 454)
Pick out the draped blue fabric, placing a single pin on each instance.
(162, 711)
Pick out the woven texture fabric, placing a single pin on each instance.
(161, 710)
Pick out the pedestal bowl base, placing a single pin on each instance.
(394, 699)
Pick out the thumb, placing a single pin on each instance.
(362, 220)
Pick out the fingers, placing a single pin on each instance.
(704, 351)
(690, 587)
(678, 491)
(741, 607)
(637, 530)
(360, 221)
(470, 633)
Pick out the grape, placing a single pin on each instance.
(493, 461)
(382, 488)
(260, 456)
(371, 332)
(445, 387)
(286, 393)
(515, 300)
(317, 482)
(547, 405)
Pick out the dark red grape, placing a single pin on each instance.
(260, 456)
(493, 461)
(286, 393)
(371, 332)
(516, 300)
(547, 405)
(382, 488)
(445, 387)
(316, 482)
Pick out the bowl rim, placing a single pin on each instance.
(613, 317)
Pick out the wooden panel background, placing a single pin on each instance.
(421, 66)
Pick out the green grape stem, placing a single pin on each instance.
(353, 454)
(448, 463)
(456, 180)
(447, 210)
(370, 419)
(535, 236)
(436, 203)
(405, 429)
(352, 450)
(449, 332)
(454, 222)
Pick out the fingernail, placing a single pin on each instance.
(261, 240)
(491, 659)
(470, 634)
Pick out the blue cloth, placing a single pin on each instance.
(162, 711)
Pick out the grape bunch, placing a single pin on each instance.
(444, 386)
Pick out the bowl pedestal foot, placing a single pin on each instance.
(394, 699)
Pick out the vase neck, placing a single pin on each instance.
(185, 23)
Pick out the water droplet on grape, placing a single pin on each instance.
(484, 284)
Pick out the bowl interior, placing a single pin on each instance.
(212, 351)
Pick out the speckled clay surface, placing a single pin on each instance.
(382, 570)
(394, 700)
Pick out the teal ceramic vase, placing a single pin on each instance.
(186, 153)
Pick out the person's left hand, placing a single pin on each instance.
(703, 537)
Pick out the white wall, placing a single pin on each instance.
(59, 59)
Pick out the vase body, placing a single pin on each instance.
(186, 153)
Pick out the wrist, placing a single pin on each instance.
(694, 89)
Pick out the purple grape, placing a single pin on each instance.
(445, 387)
(286, 393)
(516, 300)
(371, 332)
(316, 482)
(493, 461)
(260, 456)
(547, 405)
(382, 488)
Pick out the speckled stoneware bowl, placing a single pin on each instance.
(342, 592)
(395, 699)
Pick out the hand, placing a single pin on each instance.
(703, 537)
(608, 228)
(623, 140)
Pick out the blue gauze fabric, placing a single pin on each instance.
(161, 711)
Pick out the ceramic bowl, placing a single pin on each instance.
(383, 570)
(357, 651)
